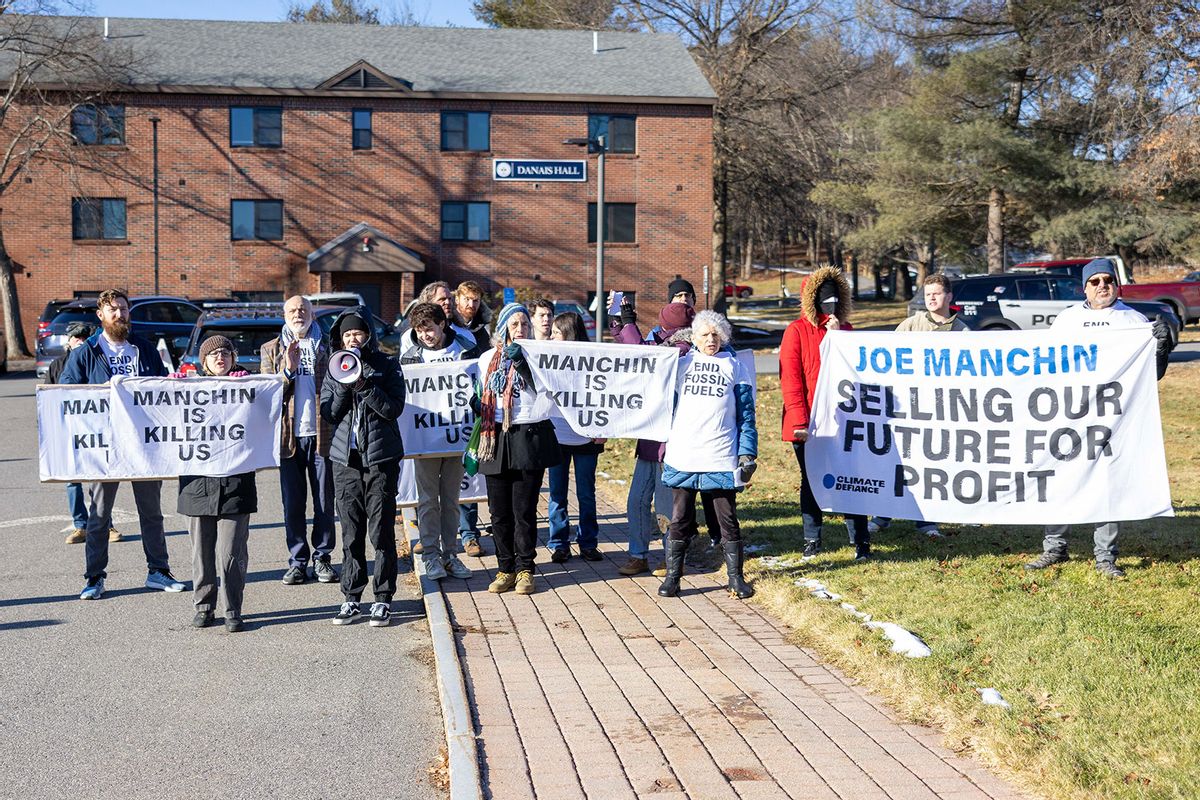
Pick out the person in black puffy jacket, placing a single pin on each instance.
(365, 453)
(218, 512)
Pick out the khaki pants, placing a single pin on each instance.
(219, 546)
(438, 483)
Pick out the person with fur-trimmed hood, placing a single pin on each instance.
(712, 448)
(824, 306)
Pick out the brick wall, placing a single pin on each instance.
(538, 231)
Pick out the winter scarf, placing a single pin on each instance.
(500, 380)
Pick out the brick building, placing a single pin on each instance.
(275, 140)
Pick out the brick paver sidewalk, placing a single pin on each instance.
(595, 687)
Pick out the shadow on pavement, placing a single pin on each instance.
(63, 598)
(402, 611)
(29, 623)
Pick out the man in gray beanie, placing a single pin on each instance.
(1102, 308)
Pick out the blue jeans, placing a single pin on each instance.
(468, 522)
(307, 470)
(585, 491)
(77, 500)
(647, 494)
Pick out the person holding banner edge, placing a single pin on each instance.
(712, 449)
(585, 453)
(647, 493)
(516, 446)
(77, 335)
(471, 313)
(218, 512)
(438, 478)
(113, 351)
(824, 306)
(937, 316)
(300, 356)
(1101, 308)
(366, 452)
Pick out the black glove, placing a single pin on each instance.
(628, 315)
(1162, 332)
(514, 353)
(747, 465)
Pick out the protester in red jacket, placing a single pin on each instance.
(824, 306)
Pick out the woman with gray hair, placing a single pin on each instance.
(712, 447)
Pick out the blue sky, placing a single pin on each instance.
(429, 12)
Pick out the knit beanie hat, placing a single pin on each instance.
(353, 321)
(215, 342)
(677, 286)
(79, 330)
(675, 316)
(505, 315)
(1099, 266)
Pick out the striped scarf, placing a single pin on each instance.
(500, 380)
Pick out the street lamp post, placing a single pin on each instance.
(599, 145)
(154, 128)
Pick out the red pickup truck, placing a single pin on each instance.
(1182, 296)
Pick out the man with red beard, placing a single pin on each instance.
(113, 351)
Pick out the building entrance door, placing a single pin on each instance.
(371, 292)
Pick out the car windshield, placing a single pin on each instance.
(247, 341)
(87, 315)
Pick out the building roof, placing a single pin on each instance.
(191, 55)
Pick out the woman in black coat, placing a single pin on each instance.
(218, 511)
(516, 445)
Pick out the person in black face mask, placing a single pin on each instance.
(824, 306)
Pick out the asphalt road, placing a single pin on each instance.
(122, 698)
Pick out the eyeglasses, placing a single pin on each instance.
(221, 353)
(1101, 280)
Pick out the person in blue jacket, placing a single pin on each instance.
(112, 352)
(712, 448)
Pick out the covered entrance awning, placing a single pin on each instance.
(364, 249)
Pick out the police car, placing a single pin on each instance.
(1021, 301)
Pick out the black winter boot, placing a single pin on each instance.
(676, 548)
(734, 559)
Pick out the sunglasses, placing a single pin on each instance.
(1100, 280)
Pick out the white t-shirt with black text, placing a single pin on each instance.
(704, 433)
(121, 357)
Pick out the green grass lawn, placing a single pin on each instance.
(1103, 676)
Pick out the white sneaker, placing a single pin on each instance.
(164, 581)
(94, 589)
(433, 567)
(457, 569)
(933, 533)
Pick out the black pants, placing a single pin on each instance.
(810, 512)
(513, 500)
(366, 502)
(723, 503)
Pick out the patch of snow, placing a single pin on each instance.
(754, 548)
(903, 642)
(991, 697)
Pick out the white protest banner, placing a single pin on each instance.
(472, 489)
(163, 427)
(437, 418)
(608, 391)
(1023, 427)
(73, 434)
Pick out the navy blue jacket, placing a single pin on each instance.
(87, 364)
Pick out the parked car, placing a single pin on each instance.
(1023, 301)
(152, 318)
(738, 290)
(589, 322)
(1192, 277)
(50, 312)
(251, 325)
(1182, 296)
